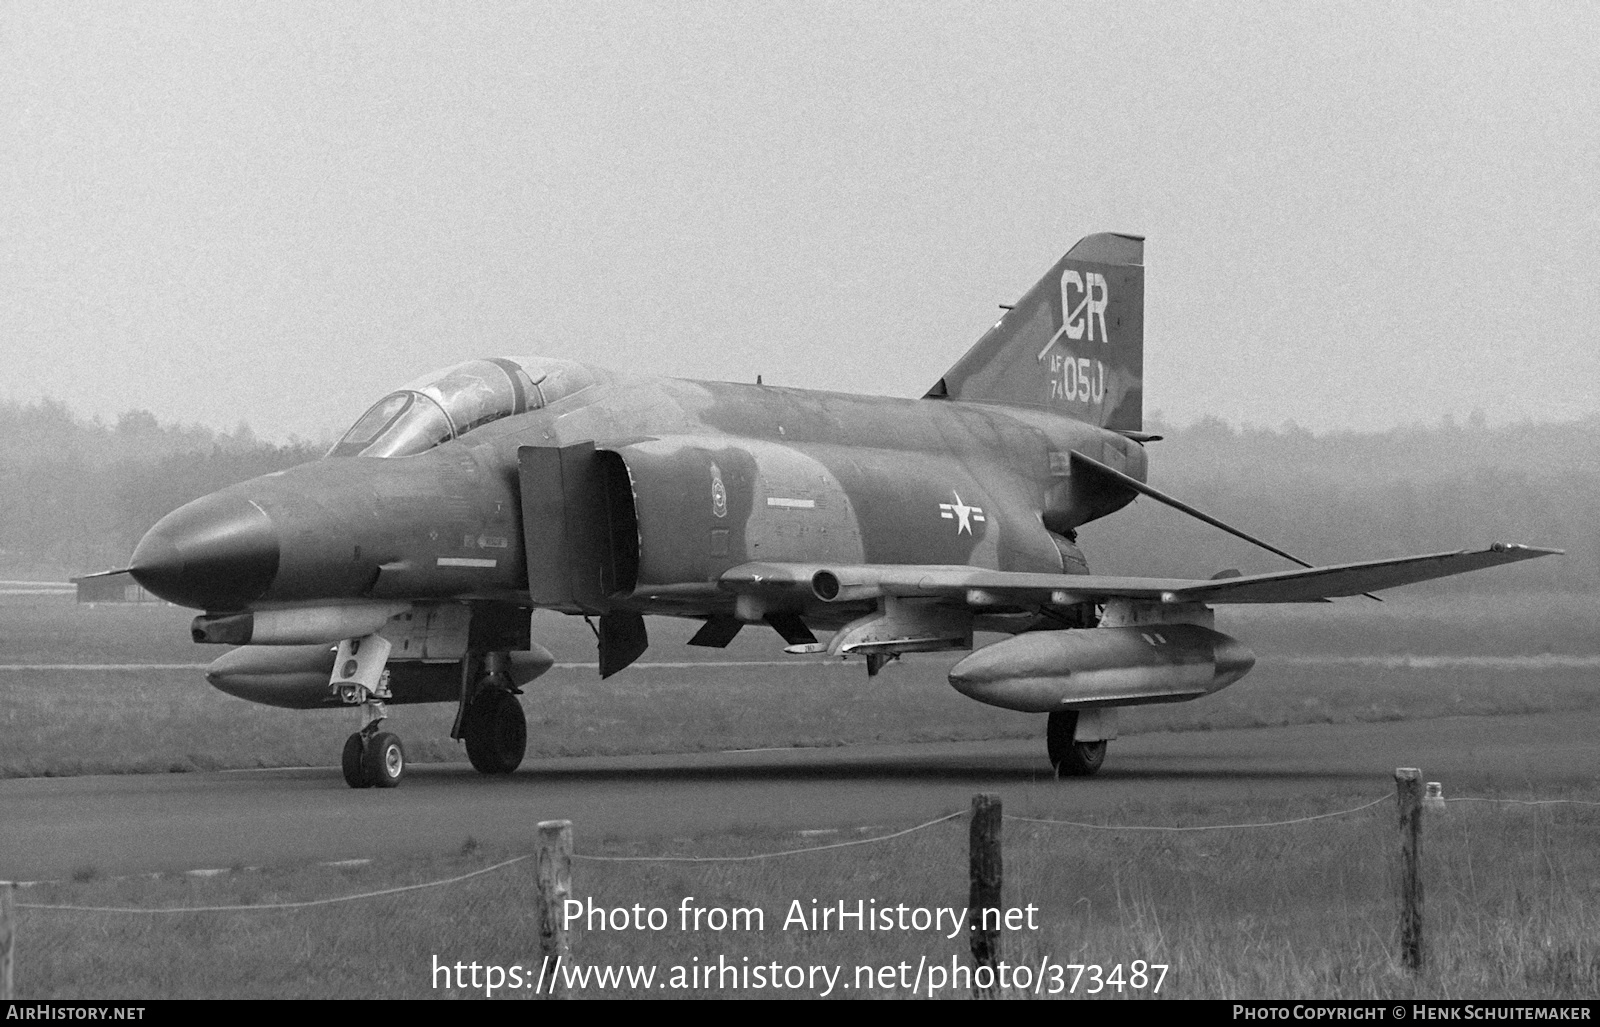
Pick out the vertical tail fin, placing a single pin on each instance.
(1074, 343)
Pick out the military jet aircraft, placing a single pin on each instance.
(403, 567)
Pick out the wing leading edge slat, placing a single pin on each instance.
(865, 581)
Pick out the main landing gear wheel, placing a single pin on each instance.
(355, 771)
(496, 732)
(384, 761)
(1070, 757)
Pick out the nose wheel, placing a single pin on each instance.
(371, 758)
(378, 761)
(353, 762)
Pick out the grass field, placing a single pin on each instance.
(60, 721)
(1513, 910)
(1301, 911)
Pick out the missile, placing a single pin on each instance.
(1043, 671)
(296, 677)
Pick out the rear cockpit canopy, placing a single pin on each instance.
(445, 405)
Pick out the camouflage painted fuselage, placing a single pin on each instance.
(717, 475)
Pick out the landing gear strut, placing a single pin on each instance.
(371, 758)
(1070, 757)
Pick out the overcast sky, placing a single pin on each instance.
(1357, 215)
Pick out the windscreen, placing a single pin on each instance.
(447, 404)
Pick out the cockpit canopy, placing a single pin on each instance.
(447, 404)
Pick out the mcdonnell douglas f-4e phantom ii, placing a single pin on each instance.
(403, 567)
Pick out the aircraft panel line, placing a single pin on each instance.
(687, 664)
(1535, 661)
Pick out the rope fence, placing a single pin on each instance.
(750, 857)
(1201, 827)
(1529, 802)
(554, 856)
(261, 906)
(767, 855)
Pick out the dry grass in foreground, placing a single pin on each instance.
(1513, 911)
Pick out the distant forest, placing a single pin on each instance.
(1343, 496)
(76, 494)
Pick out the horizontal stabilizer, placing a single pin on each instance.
(978, 586)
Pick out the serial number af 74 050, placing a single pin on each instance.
(1077, 378)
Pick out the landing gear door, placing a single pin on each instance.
(575, 518)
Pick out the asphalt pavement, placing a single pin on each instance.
(51, 828)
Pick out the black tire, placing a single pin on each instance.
(1083, 759)
(384, 760)
(1069, 757)
(352, 763)
(1058, 734)
(496, 732)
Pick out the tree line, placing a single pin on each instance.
(77, 494)
(1343, 496)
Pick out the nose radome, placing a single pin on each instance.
(217, 553)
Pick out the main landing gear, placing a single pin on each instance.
(490, 719)
(1070, 757)
(495, 730)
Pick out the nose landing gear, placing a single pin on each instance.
(371, 758)
(378, 760)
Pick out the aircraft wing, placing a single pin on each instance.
(976, 586)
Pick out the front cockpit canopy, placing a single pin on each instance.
(447, 404)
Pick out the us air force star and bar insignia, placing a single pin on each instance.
(960, 512)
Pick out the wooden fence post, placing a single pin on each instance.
(983, 931)
(554, 862)
(8, 942)
(1408, 789)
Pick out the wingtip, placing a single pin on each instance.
(1531, 551)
